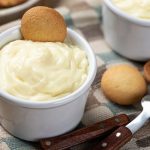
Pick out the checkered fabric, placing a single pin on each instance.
(86, 19)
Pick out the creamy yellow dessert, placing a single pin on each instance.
(41, 70)
(137, 8)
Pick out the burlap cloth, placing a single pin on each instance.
(85, 18)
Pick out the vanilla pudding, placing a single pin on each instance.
(41, 70)
(136, 8)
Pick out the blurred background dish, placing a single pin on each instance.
(10, 14)
(15, 12)
(126, 34)
(10, 3)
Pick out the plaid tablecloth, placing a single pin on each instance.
(85, 18)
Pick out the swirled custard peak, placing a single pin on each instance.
(41, 70)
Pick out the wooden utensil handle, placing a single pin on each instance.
(84, 134)
(116, 140)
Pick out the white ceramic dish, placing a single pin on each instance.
(12, 13)
(31, 120)
(127, 35)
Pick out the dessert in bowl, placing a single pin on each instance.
(14, 12)
(32, 118)
(10, 3)
(126, 27)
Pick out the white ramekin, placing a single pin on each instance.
(30, 120)
(127, 35)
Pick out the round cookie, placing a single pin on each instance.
(147, 71)
(43, 24)
(123, 84)
(9, 3)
